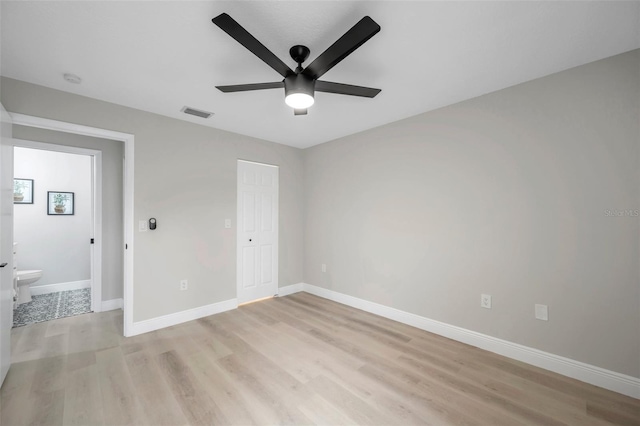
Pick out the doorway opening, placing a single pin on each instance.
(57, 217)
(127, 248)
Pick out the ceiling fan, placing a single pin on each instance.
(301, 84)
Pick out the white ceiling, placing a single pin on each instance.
(161, 56)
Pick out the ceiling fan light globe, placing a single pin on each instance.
(299, 100)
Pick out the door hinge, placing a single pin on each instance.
(92, 241)
(126, 246)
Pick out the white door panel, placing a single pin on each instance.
(266, 259)
(248, 211)
(257, 231)
(267, 213)
(248, 261)
(6, 242)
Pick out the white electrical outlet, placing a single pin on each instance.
(184, 285)
(485, 301)
(227, 223)
(542, 312)
(324, 267)
(142, 226)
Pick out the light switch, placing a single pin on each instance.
(142, 226)
(227, 223)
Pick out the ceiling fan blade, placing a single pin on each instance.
(242, 36)
(254, 86)
(346, 89)
(299, 112)
(343, 47)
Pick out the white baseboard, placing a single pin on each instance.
(53, 288)
(290, 289)
(152, 324)
(111, 305)
(607, 379)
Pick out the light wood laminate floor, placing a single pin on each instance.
(298, 359)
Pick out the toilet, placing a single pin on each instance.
(25, 279)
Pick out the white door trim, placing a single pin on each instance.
(96, 209)
(128, 139)
(258, 163)
(240, 235)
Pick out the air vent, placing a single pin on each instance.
(196, 112)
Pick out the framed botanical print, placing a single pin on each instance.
(60, 203)
(23, 191)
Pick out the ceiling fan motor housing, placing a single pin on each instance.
(299, 83)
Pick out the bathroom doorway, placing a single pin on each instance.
(57, 231)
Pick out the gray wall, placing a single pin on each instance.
(506, 194)
(58, 245)
(112, 196)
(185, 176)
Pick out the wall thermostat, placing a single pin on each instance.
(152, 223)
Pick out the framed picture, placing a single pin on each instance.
(60, 203)
(23, 191)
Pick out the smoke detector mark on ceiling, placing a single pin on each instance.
(196, 112)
